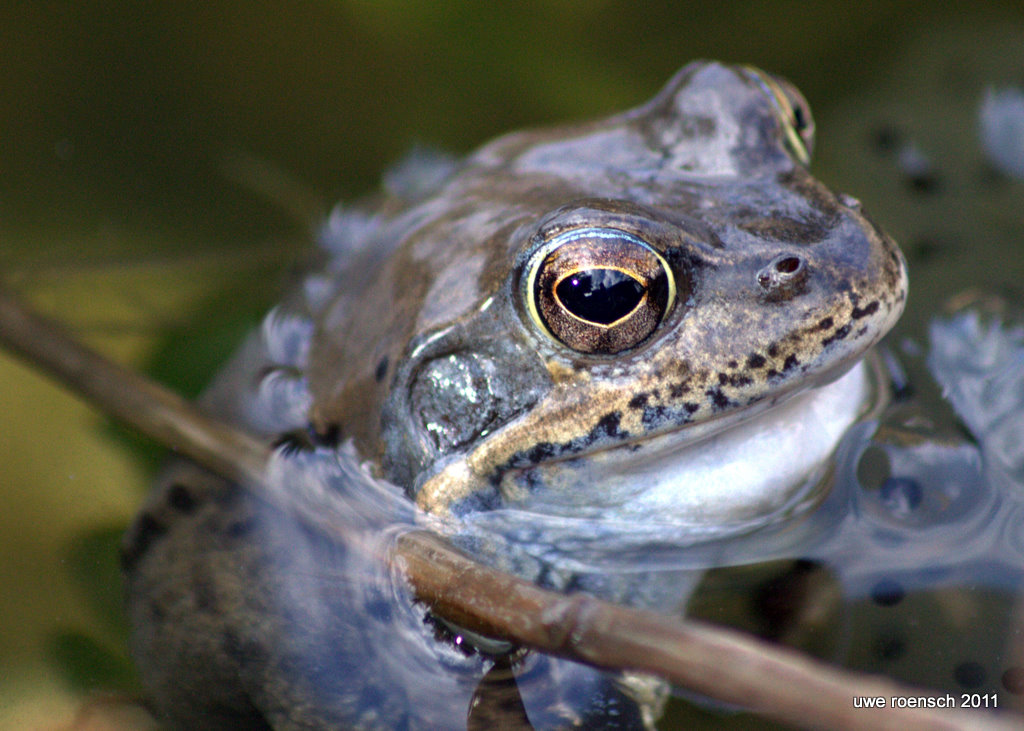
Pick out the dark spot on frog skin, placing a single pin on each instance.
(732, 364)
(734, 379)
(540, 452)
(181, 499)
(657, 416)
(790, 362)
(381, 370)
(144, 534)
(639, 401)
(825, 323)
(837, 335)
(481, 500)
(718, 399)
(859, 312)
(773, 350)
(607, 426)
(676, 390)
(756, 360)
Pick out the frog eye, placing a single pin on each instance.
(599, 290)
(797, 114)
(794, 112)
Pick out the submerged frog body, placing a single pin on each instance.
(654, 318)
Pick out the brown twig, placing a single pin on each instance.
(129, 397)
(723, 664)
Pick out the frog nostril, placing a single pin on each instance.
(788, 264)
(784, 276)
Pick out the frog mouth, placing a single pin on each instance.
(729, 470)
(738, 475)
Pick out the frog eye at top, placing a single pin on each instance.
(599, 290)
(797, 113)
(794, 111)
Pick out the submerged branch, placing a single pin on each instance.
(726, 665)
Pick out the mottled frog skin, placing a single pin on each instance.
(588, 322)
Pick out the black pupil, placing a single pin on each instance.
(600, 295)
(799, 119)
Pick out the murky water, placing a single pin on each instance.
(115, 216)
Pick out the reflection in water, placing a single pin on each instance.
(908, 565)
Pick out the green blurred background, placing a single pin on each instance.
(162, 163)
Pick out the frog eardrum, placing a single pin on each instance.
(599, 290)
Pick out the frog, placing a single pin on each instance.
(656, 318)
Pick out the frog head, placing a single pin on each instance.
(572, 305)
